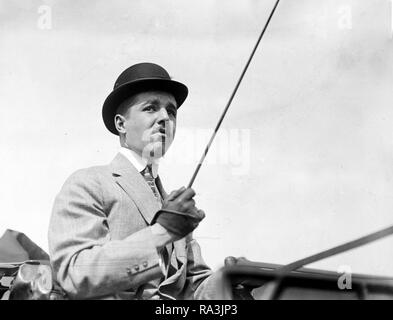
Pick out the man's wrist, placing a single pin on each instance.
(161, 236)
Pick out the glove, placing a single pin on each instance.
(179, 214)
(178, 223)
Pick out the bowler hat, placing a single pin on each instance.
(139, 78)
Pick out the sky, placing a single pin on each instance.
(303, 160)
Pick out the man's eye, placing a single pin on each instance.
(149, 108)
(172, 112)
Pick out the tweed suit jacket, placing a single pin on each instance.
(100, 246)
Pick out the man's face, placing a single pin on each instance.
(150, 123)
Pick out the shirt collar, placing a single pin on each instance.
(139, 162)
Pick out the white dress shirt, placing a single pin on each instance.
(139, 162)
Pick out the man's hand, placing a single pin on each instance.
(180, 200)
(178, 215)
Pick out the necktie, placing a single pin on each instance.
(148, 175)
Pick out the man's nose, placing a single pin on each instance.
(163, 115)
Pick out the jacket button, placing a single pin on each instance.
(145, 264)
(129, 272)
(136, 268)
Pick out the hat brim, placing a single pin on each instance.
(126, 90)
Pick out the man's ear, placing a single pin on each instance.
(119, 123)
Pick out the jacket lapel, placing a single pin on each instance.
(132, 182)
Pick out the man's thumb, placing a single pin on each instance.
(174, 194)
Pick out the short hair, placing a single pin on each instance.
(125, 105)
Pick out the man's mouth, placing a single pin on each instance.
(161, 131)
(159, 135)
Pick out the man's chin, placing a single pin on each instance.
(155, 150)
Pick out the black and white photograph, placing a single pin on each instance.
(196, 150)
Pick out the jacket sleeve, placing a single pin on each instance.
(86, 261)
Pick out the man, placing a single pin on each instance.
(114, 232)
